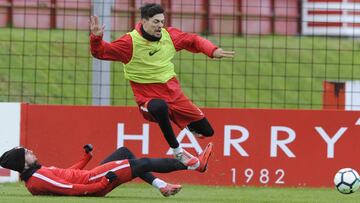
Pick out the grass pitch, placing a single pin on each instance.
(135, 192)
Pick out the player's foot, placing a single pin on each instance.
(188, 160)
(204, 158)
(197, 135)
(170, 189)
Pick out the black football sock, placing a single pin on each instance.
(158, 165)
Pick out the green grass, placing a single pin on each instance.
(16, 192)
(45, 66)
(54, 67)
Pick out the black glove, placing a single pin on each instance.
(111, 176)
(88, 148)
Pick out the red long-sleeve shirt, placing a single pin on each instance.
(74, 180)
(121, 49)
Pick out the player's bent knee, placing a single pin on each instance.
(125, 153)
(123, 149)
(157, 106)
(209, 132)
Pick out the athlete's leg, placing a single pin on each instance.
(158, 165)
(186, 114)
(140, 167)
(119, 154)
(201, 127)
(121, 168)
(167, 165)
(158, 108)
(124, 153)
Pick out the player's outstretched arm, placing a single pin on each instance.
(95, 28)
(220, 53)
(118, 50)
(88, 148)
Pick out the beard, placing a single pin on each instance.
(30, 169)
(34, 164)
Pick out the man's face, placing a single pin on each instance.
(30, 157)
(154, 24)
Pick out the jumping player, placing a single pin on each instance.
(118, 168)
(146, 53)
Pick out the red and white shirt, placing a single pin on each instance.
(78, 182)
(122, 50)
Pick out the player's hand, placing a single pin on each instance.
(88, 148)
(95, 28)
(111, 176)
(220, 53)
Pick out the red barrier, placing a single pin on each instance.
(3, 13)
(252, 146)
(31, 14)
(4, 172)
(334, 95)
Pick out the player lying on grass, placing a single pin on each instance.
(118, 168)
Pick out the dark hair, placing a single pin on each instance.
(150, 9)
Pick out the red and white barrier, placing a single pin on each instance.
(9, 135)
(331, 17)
(343, 95)
(251, 146)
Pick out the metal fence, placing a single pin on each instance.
(287, 52)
